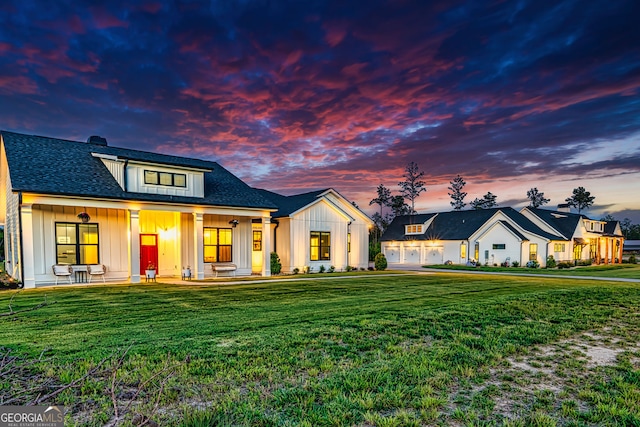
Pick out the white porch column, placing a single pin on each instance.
(134, 245)
(266, 246)
(28, 263)
(198, 242)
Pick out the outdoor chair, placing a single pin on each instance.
(60, 270)
(96, 270)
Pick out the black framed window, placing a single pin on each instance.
(257, 240)
(320, 245)
(218, 244)
(499, 246)
(167, 179)
(77, 244)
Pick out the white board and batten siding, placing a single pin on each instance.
(318, 217)
(135, 181)
(112, 231)
(241, 242)
(324, 217)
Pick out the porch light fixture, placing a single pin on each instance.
(234, 223)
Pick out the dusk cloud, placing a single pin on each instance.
(294, 96)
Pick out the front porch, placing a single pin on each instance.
(128, 241)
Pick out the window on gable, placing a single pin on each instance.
(320, 245)
(77, 244)
(559, 247)
(499, 246)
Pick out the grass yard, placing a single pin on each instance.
(628, 271)
(406, 350)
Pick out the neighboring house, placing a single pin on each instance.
(143, 208)
(601, 242)
(319, 228)
(488, 236)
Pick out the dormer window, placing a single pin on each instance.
(413, 229)
(168, 179)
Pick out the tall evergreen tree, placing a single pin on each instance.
(412, 185)
(580, 199)
(457, 184)
(488, 201)
(536, 198)
(383, 199)
(399, 207)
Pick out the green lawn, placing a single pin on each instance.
(387, 351)
(629, 271)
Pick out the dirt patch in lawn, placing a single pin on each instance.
(549, 379)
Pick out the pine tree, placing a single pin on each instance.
(536, 199)
(456, 193)
(581, 199)
(412, 185)
(488, 201)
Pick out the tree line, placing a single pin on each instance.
(413, 185)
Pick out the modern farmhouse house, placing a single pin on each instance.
(76, 204)
(319, 228)
(500, 235)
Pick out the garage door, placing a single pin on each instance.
(412, 255)
(392, 253)
(434, 255)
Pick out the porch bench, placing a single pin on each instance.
(224, 267)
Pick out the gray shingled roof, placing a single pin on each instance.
(53, 166)
(289, 204)
(564, 222)
(459, 225)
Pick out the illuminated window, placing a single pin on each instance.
(533, 252)
(77, 244)
(217, 244)
(167, 179)
(349, 242)
(320, 245)
(476, 251)
(257, 240)
(463, 251)
(413, 229)
(559, 247)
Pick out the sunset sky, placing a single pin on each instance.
(294, 96)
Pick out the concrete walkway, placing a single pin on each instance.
(418, 268)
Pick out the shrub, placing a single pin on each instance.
(632, 259)
(533, 264)
(321, 269)
(276, 266)
(504, 264)
(296, 270)
(332, 269)
(551, 262)
(515, 264)
(448, 262)
(348, 268)
(368, 268)
(380, 262)
(584, 262)
(565, 264)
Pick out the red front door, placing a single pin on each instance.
(148, 252)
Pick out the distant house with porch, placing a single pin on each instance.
(76, 203)
(500, 236)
